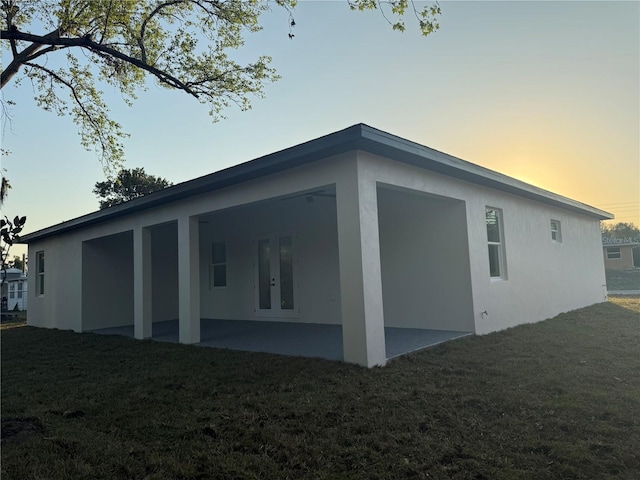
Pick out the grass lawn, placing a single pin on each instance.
(558, 399)
(623, 279)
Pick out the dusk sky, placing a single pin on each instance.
(546, 92)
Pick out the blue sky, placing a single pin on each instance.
(547, 92)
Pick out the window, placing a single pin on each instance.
(12, 290)
(39, 273)
(20, 283)
(613, 253)
(495, 239)
(556, 234)
(218, 265)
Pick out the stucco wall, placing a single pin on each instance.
(544, 277)
(61, 305)
(425, 261)
(164, 272)
(107, 288)
(316, 275)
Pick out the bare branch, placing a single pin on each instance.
(146, 21)
(106, 21)
(77, 99)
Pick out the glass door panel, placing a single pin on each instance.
(264, 274)
(286, 273)
(275, 282)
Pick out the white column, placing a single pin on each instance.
(142, 278)
(360, 277)
(189, 279)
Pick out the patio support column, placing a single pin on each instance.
(360, 274)
(189, 279)
(142, 319)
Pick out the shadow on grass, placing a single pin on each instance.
(557, 399)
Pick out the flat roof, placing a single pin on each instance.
(357, 137)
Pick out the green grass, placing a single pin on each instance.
(623, 279)
(558, 399)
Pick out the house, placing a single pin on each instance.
(14, 290)
(621, 253)
(358, 232)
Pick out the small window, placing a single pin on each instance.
(40, 273)
(613, 253)
(20, 286)
(495, 239)
(556, 234)
(218, 276)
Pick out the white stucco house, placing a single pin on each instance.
(359, 230)
(14, 289)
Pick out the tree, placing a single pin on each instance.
(127, 185)
(16, 263)
(620, 230)
(9, 234)
(181, 44)
(9, 231)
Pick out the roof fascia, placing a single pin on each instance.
(385, 144)
(307, 152)
(356, 137)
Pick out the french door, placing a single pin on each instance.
(275, 277)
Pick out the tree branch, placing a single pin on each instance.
(143, 27)
(25, 55)
(75, 97)
(10, 10)
(85, 42)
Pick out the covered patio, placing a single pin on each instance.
(289, 338)
(272, 276)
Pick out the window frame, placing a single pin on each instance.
(218, 264)
(610, 250)
(500, 244)
(40, 272)
(556, 233)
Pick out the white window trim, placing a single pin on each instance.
(557, 231)
(502, 260)
(39, 275)
(619, 253)
(213, 265)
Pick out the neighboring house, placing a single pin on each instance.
(621, 253)
(14, 289)
(359, 228)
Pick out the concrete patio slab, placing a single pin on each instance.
(289, 338)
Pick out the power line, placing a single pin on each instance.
(633, 220)
(626, 209)
(619, 203)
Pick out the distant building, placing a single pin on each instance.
(14, 289)
(621, 253)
